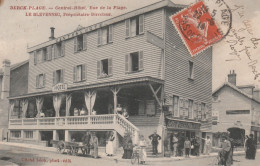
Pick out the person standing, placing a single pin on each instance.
(175, 145)
(245, 143)
(250, 147)
(155, 138)
(86, 143)
(127, 141)
(109, 146)
(94, 143)
(225, 152)
(207, 145)
(187, 146)
(196, 146)
(142, 145)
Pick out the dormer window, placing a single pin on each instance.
(80, 43)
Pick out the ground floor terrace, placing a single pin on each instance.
(68, 113)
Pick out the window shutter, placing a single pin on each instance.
(141, 24)
(44, 79)
(111, 32)
(35, 57)
(75, 44)
(110, 66)
(84, 71)
(141, 57)
(127, 27)
(37, 81)
(54, 78)
(75, 74)
(43, 57)
(62, 75)
(63, 48)
(99, 37)
(98, 68)
(84, 41)
(127, 63)
(55, 51)
(49, 53)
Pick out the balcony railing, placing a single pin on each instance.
(109, 121)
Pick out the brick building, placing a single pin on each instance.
(236, 109)
(135, 61)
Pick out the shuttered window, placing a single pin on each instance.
(80, 43)
(49, 53)
(141, 24)
(104, 68)
(58, 76)
(40, 81)
(84, 41)
(111, 33)
(79, 73)
(99, 37)
(75, 44)
(127, 27)
(134, 26)
(134, 62)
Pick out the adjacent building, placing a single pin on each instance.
(135, 61)
(236, 109)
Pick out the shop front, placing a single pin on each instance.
(182, 129)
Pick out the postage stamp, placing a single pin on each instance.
(196, 27)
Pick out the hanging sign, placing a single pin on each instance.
(59, 87)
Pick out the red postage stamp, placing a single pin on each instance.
(196, 27)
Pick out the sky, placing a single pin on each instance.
(19, 31)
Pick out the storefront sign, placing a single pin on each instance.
(183, 125)
(59, 87)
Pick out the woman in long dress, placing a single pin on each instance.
(250, 147)
(109, 146)
(142, 145)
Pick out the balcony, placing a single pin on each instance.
(90, 122)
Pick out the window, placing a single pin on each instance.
(44, 54)
(104, 68)
(39, 56)
(28, 134)
(175, 106)
(105, 35)
(40, 81)
(17, 111)
(203, 111)
(80, 43)
(134, 62)
(190, 108)
(215, 117)
(134, 26)
(79, 73)
(58, 76)
(59, 49)
(191, 70)
(16, 134)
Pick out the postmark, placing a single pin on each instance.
(196, 27)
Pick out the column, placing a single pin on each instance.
(37, 136)
(67, 136)
(22, 134)
(55, 135)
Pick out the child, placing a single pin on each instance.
(187, 146)
(142, 145)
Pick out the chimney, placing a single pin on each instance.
(232, 78)
(52, 34)
(6, 79)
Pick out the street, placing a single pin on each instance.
(27, 156)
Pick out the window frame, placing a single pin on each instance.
(139, 27)
(109, 68)
(38, 80)
(109, 35)
(83, 73)
(76, 43)
(178, 106)
(128, 62)
(191, 70)
(62, 71)
(28, 134)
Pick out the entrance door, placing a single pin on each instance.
(141, 108)
(150, 107)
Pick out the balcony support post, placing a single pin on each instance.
(115, 91)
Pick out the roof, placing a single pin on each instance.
(154, 6)
(236, 89)
(15, 66)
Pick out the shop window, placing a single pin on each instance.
(175, 106)
(80, 43)
(105, 35)
(134, 62)
(16, 134)
(134, 26)
(104, 68)
(79, 73)
(58, 76)
(191, 70)
(28, 134)
(40, 81)
(190, 108)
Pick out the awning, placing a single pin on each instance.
(124, 82)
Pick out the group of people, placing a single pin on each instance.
(90, 142)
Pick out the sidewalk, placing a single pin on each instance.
(118, 157)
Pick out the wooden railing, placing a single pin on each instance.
(116, 121)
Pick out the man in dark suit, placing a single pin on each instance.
(155, 138)
(86, 143)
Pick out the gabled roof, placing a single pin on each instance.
(235, 88)
(139, 11)
(15, 66)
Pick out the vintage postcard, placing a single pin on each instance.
(129, 82)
